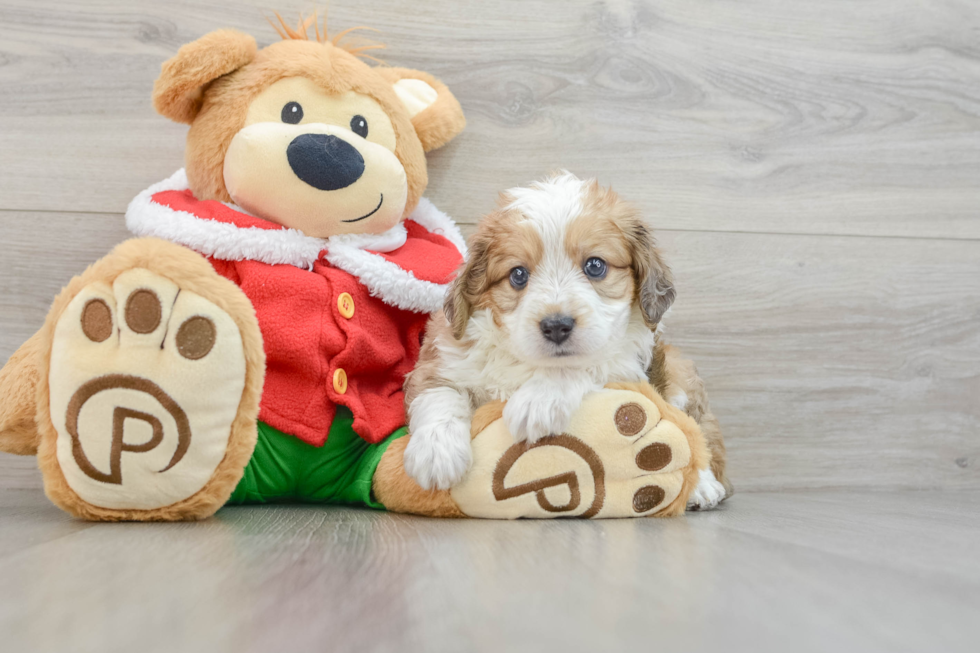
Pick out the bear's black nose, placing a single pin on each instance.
(557, 328)
(325, 162)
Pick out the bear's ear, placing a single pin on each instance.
(435, 112)
(178, 91)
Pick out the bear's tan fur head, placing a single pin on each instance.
(303, 133)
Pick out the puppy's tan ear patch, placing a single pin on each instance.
(457, 308)
(471, 283)
(435, 112)
(178, 91)
(654, 280)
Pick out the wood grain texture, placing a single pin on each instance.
(835, 361)
(812, 166)
(19, 473)
(815, 571)
(788, 117)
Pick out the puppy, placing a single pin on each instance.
(564, 291)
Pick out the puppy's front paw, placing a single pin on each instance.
(437, 457)
(531, 416)
(708, 493)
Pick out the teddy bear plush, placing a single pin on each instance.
(250, 344)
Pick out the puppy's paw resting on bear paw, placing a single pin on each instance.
(438, 456)
(624, 454)
(534, 412)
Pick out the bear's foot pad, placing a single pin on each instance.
(145, 382)
(620, 457)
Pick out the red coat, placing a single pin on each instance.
(342, 319)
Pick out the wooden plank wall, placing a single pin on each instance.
(814, 168)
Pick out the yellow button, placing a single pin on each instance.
(340, 381)
(345, 303)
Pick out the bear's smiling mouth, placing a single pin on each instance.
(364, 217)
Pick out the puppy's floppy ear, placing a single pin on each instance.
(654, 281)
(178, 91)
(456, 307)
(470, 283)
(435, 112)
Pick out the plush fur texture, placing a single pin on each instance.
(191, 272)
(489, 345)
(229, 75)
(19, 379)
(178, 92)
(398, 492)
(700, 456)
(620, 457)
(396, 286)
(357, 254)
(213, 84)
(441, 121)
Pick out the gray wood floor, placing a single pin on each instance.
(800, 571)
(814, 168)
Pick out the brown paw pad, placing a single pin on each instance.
(97, 320)
(654, 457)
(630, 419)
(143, 311)
(196, 337)
(647, 498)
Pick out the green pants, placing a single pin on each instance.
(284, 468)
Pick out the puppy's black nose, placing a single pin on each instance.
(557, 328)
(325, 162)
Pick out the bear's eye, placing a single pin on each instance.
(595, 268)
(519, 277)
(358, 125)
(292, 113)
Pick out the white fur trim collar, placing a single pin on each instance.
(356, 254)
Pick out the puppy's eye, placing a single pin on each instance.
(595, 268)
(519, 277)
(292, 113)
(358, 125)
